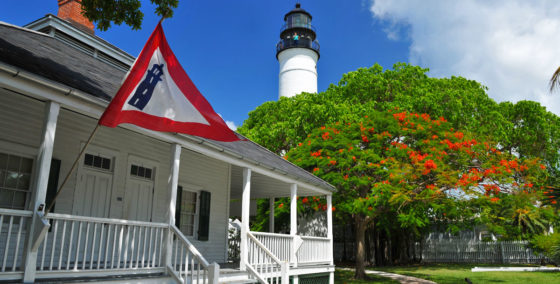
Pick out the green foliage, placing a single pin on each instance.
(531, 131)
(549, 245)
(525, 128)
(104, 12)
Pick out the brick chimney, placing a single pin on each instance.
(71, 11)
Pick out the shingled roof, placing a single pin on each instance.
(50, 58)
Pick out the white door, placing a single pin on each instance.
(93, 193)
(139, 190)
(139, 199)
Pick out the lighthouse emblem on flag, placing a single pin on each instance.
(146, 88)
(157, 94)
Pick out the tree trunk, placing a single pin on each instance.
(360, 247)
(402, 247)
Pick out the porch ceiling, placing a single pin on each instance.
(263, 186)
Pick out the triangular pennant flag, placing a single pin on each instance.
(158, 94)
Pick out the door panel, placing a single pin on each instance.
(139, 196)
(93, 194)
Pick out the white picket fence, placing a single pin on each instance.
(474, 251)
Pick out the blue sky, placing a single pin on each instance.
(228, 47)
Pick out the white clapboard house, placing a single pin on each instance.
(121, 216)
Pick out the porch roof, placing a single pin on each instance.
(47, 57)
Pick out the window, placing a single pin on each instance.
(141, 172)
(188, 213)
(97, 162)
(192, 215)
(15, 180)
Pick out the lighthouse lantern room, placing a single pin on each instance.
(297, 52)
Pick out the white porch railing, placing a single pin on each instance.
(263, 265)
(314, 250)
(12, 238)
(187, 264)
(81, 244)
(278, 244)
(88, 246)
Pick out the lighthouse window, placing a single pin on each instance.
(298, 20)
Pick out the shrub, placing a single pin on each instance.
(549, 245)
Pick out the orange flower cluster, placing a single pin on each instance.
(429, 165)
(459, 145)
(416, 157)
(472, 177)
(399, 145)
(316, 154)
(513, 164)
(491, 189)
(493, 170)
(400, 116)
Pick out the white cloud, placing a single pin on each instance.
(511, 46)
(231, 125)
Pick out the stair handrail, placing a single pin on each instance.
(189, 246)
(211, 272)
(283, 265)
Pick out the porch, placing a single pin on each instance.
(77, 247)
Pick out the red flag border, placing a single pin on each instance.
(114, 115)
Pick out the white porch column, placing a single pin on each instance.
(293, 225)
(172, 183)
(330, 235)
(245, 206)
(293, 209)
(41, 178)
(330, 226)
(271, 215)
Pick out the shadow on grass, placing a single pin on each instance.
(347, 277)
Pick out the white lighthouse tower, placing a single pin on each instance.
(297, 52)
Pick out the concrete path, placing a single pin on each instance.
(401, 278)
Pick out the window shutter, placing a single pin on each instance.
(52, 185)
(204, 216)
(178, 207)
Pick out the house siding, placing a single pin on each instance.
(213, 176)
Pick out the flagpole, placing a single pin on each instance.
(72, 169)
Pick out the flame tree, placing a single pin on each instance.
(410, 169)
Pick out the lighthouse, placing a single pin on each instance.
(298, 53)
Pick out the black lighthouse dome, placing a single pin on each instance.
(297, 31)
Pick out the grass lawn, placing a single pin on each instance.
(346, 276)
(456, 273)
